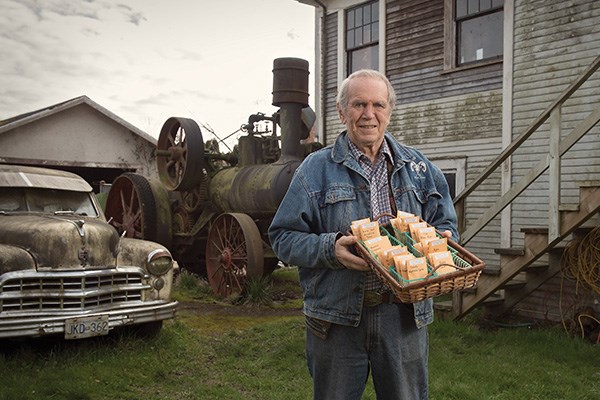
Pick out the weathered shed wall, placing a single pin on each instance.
(446, 114)
(79, 136)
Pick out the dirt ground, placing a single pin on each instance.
(207, 309)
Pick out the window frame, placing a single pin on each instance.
(375, 5)
(453, 165)
(451, 41)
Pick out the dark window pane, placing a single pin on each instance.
(461, 8)
(375, 11)
(367, 35)
(367, 15)
(485, 5)
(375, 31)
(451, 179)
(358, 19)
(350, 39)
(367, 57)
(350, 19)
(497, 3)
(480, 38)
(358, 37)
(473, 7)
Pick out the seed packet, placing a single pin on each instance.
(400, 264)
(354, 227)
(425, 234)
(442, 260)
(378, 244)
(387, 256)
(369, 230)
(412, 228)
(416, 268)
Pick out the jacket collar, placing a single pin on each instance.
(340, 152)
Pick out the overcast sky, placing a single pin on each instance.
(147, 60)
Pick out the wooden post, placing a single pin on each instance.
(554, 175)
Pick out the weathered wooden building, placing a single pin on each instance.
(80, 136)
(494, 92)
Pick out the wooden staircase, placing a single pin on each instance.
(523, 270)
(518, 276)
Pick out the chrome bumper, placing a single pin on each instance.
(34, 325)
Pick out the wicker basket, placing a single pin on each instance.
(468, 268)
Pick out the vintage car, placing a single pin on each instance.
(65, 270)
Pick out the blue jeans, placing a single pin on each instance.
(386, 342)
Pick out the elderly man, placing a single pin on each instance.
(354, 325)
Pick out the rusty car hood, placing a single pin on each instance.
(62, 242)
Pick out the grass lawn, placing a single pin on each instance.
(244, 351)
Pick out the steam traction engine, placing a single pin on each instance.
(212, 210)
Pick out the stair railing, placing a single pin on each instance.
(557, 148)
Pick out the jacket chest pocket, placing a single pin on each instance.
(338, 206)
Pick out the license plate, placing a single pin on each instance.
(84, 327)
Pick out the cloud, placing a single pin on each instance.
(136, 17)
(149, 60)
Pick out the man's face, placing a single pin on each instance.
(367, 114)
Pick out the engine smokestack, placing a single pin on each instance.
(290, 94)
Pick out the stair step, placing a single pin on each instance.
(536, 267)
(510, 251)
(487, 270)
(538, 259)
(535, 230)
(568, 207)
(493, 299)
(580, 231)
(445, 305)
(588, 184)
(515, 283)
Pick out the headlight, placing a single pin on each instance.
(159, 262)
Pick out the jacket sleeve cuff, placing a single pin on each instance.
(329, 250)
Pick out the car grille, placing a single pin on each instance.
(32, 291)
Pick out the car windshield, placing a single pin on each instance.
(51, 201)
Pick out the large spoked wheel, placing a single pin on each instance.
(140, 208)
(180, 154)
(234, 254)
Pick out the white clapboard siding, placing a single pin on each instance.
(554, 41)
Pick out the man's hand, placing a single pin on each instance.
(446, 234)
(346, 257)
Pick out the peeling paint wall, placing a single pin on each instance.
(555, 41)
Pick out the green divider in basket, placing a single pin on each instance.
(407, 240)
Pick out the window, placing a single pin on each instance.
(454, 172)
(362, 37)
(474, 31)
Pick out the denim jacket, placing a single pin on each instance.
(329, 190)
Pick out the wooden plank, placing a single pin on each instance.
(531, 129)
(535, 172)
(554, 175)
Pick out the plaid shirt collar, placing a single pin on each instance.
(384, 151)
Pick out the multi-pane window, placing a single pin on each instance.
(479, 30)
(362, 36)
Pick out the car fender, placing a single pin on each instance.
(14, 258)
